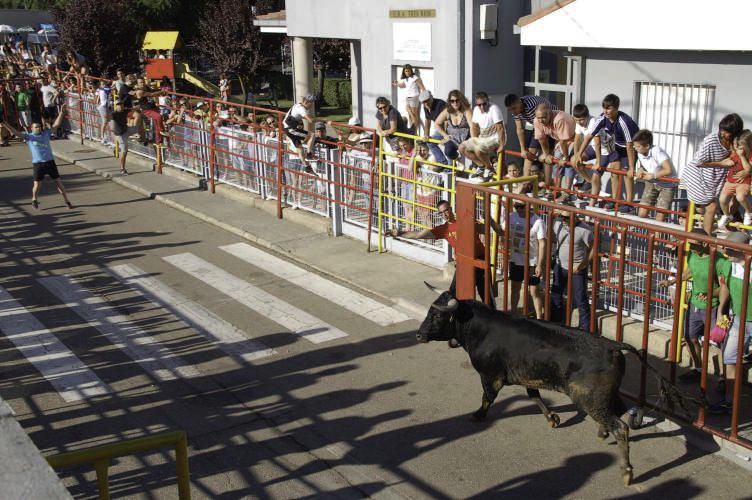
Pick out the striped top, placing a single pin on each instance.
(529, 103)
(704, 184)
(621, 130)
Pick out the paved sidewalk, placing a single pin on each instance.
(303, 237)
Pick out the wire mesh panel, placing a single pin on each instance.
(356, 188)
(236, 158)
(308, 188)
(74, 113)
(187, 146)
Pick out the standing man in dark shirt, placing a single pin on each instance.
(523, 110)
(432, 108)
(120, 131)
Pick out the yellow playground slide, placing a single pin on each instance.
(182, 70)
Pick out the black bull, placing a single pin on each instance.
(509, 350)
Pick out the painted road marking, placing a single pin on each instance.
(156, 359)
(70, 377)
(300, 322)
(334, 292)
(217, 331)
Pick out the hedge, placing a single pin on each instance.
(337, 92)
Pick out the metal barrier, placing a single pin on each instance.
(100, 456)
(618, 231)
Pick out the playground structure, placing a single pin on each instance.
(161, 53)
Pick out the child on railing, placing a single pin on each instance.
(426, 174)
(738, 181)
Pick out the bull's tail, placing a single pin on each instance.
(667, 390)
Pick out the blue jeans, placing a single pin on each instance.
(436, 150)
(579, 295)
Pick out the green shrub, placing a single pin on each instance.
(337, 92)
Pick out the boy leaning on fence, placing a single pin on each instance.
(652, 165)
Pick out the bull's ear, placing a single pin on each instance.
(433, 288)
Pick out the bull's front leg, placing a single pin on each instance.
(491, 387)
(551, 417)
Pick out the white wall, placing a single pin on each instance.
(645, 24)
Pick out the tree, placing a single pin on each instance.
(229, 40)
(103, 32)
(329, 54)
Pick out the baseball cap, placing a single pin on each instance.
(200, 104)
(320, 126)
(309, 98)
(354, 121)
(424, 96)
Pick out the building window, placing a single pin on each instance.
(553, 75)
(678, 114)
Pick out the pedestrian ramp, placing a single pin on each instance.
(158, 354)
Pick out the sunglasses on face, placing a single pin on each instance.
(381, 108)
(482, 104)
(454, 100)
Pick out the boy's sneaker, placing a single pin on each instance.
(747, 358)
(625, 209)
(723, 221)
(476, 176)
(488, 175)
(748, 219)
(35, 203)
(722, 407)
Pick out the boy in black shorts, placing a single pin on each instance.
(41, 156)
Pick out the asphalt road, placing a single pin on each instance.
(124, 317)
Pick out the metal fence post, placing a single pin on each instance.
(336, 160)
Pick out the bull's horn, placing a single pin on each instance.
(451, 306)
(433, 288)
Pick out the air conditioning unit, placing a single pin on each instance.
(488, 21)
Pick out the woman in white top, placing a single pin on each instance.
(414, 85)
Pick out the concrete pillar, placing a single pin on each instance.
(302, 70)
(356, 79)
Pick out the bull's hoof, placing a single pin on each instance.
(602, 435)
(627, 476)
(554, 420)
(479, 415)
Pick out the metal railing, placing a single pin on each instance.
(100, 456)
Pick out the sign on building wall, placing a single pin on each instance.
(411, 41)
(408, 13)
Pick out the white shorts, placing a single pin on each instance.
(482, 145)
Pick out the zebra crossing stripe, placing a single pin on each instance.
(277, 310)
(153, 357)
(70, 377)
(322, 287)
(218, 331)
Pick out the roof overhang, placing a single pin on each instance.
(162, 40)
(640, 24)
(274, 22)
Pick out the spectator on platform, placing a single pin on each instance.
(653, 164)
(413, 85)
(488, 137)
(705, 174)
(621, 127)
(321, 139)
(23, 106)
(580, 246)
(426, 176)
(698, 269)
(523, 111)
(536, 253)
(738, 181)
(269, 126)
(104, 108)
(453, 124)
(224, 87)
(389, 121)
(596, 157)
(48, 58)
(559, 127)
(731, 279)
(432, 109)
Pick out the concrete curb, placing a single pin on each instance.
(411, 308)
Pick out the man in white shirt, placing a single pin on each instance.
(536, 253)
(653, 164)
(488, 136)
(49, 98)
(599, 155)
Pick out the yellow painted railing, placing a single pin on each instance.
(100, 456)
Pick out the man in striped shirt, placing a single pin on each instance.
(621, 127)
(703, 177)
(523, 110)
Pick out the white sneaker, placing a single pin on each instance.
(723, 221)
(488, 175)
(748, 219)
